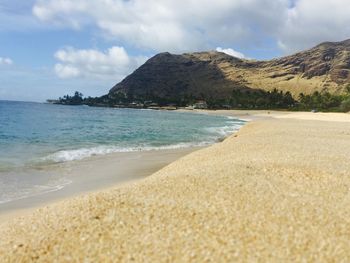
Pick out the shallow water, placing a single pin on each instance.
(35, 136)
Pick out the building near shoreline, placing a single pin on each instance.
(201, 104)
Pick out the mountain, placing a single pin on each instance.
(168, 75)
(214, 74)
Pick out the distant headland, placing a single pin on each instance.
(315, 79)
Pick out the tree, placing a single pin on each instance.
(345, 105)
(288, 99)
(301, 96)
(77, 98)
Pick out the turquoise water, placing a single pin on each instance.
(34, 135)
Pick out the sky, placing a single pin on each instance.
(49, 48)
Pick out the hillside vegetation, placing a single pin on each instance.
(203, 75)
(313, 79)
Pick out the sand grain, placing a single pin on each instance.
(276, 191)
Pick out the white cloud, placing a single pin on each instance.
(310, 22)
(5, 61)
(188, 25)
(231, 52)
(114, 63)
(169, 25)
(66, 71)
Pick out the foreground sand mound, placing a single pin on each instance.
(276, 191)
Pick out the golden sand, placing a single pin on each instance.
(276, 191)
(95, 174)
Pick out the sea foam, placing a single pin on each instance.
(82, 153)
(22, 192)
(214, 134)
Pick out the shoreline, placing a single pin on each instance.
(276, 190)
(112, 170)
(245, 115)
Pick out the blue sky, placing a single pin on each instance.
(49, 48)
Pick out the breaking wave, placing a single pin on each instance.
(212, 135)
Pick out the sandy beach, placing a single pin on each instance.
(93, 174)
(277, 191)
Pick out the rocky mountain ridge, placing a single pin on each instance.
(324, 68)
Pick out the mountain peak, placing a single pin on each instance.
(340, 45)
(325, 67)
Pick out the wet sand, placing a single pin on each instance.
(93, 174)
(277, 191)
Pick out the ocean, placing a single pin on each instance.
(35, 136)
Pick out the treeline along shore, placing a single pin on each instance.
(239, 99)
(317, 79)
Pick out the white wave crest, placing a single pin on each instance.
(223, 131)
(214, 133)
(79, 154)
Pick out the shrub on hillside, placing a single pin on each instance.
(345, 105)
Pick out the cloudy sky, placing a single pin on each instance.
(49, 48)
